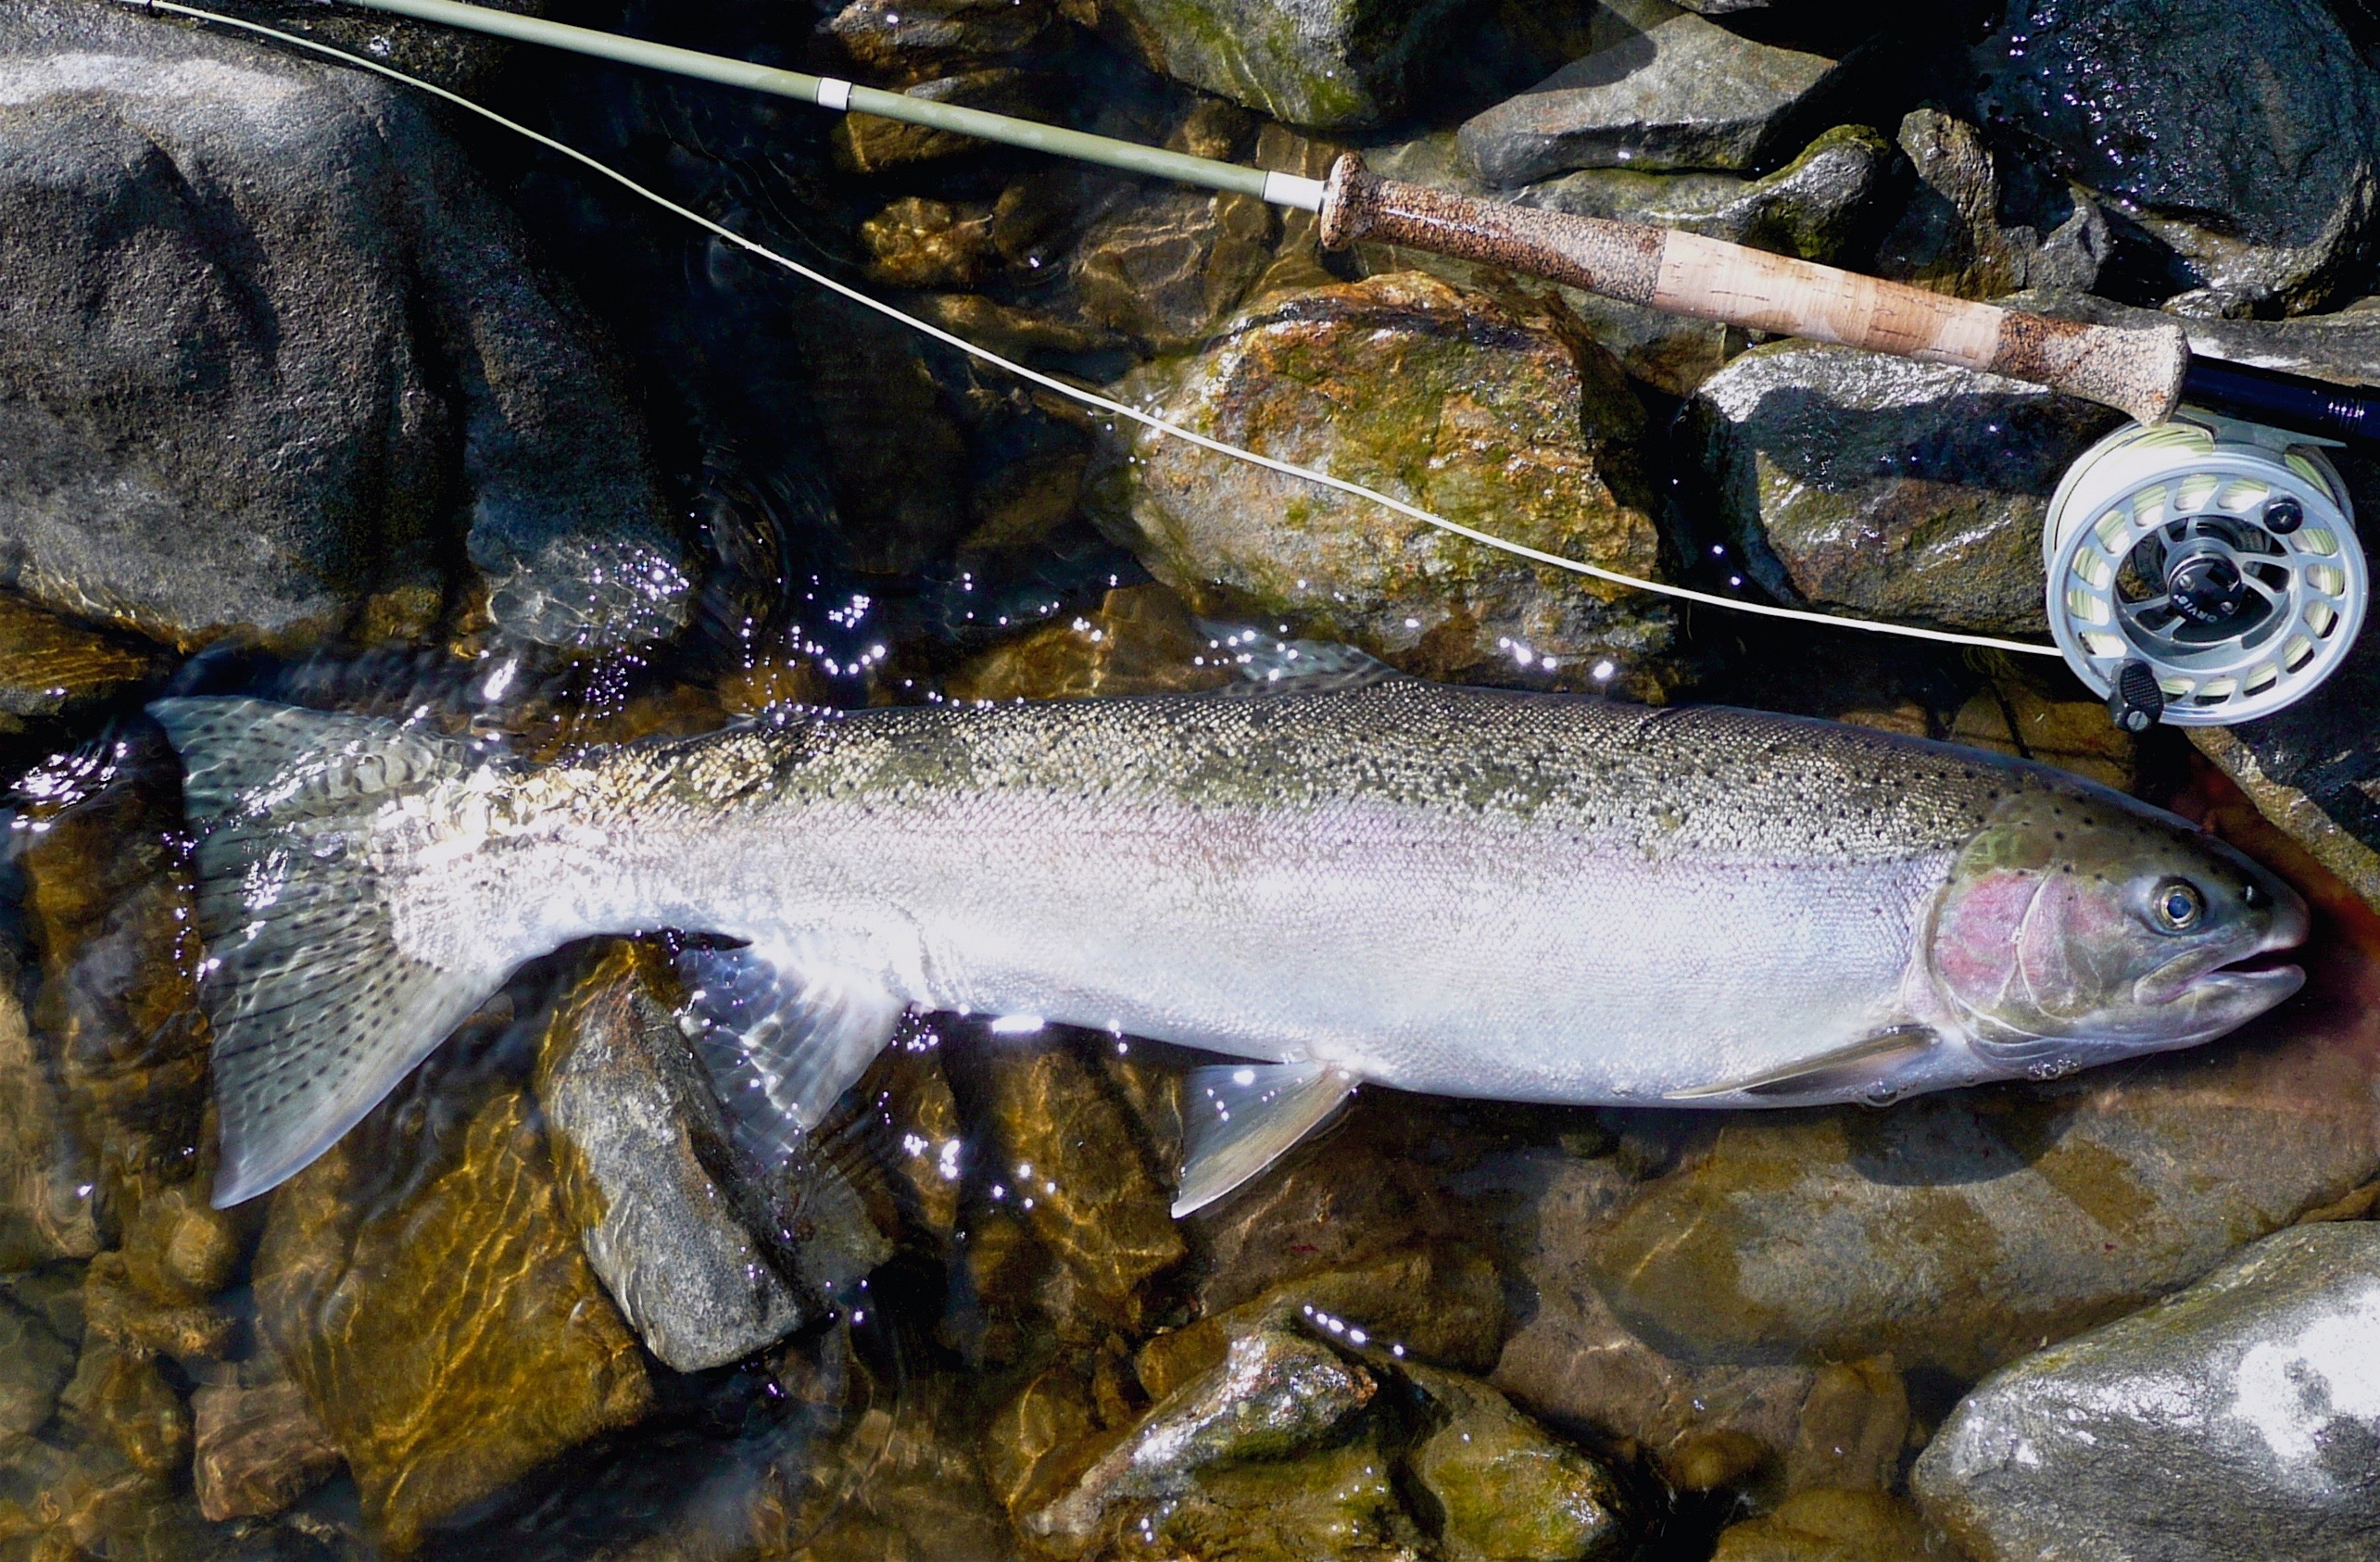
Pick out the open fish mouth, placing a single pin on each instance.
(2263, 973)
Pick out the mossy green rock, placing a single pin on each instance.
(1831, 1526)
(1507, 1492)
(1327, 64)
(1437, 396)
(433, 1302)
(1961, 1231)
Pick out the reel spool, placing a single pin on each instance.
(2203, 570)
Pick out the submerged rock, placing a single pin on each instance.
(910, 39)
(1439, 396)
(1505, 1488)
(45, 1178)
(1960, 1230)
(2244, 136)
(257, 1447)
(34, 1366)
(865, 143)
(430, 1296)
(1141, 641)
(1661, 88)
(1167, 271)
(639, 1149)
(2238, 1420)
(321, 359)
(1826, 1526)
(1889, 488)
(49, 667)
(1328, 64)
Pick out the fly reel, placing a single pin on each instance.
(2203, 570)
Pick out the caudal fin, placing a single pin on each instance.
(317, 1013)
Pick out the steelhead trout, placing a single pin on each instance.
(1462, 891)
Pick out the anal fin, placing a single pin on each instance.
(1827, 1072)
(1238, 1119)
(784, 1031)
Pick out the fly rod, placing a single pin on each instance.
(2137, 369)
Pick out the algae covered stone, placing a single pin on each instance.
(1439, 396)
(1509, 1491)
(428, 1292)
(1328, 64)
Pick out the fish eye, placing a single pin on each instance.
(2177, 905)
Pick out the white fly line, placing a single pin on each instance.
(1092, 398)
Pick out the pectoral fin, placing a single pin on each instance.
(785, 1030)
(1844, 1068)
(1237, 1120)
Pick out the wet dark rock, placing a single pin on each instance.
(1327, 64)
(1660, 89)
(1167, 271)
(640, 1151)
(321, 362)
(1960, 1231)
(429, 1294)
(1823, 206)
(121, 1395)
(2239, 1420)
(1952, 237)
(2247, 137)
(149, 1318)
(1827, 1526)
(1442, 397)
(912, 39)
(1141, 640)
(1889, 488)
(257, 1448)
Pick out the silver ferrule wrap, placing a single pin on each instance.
(1293, 190)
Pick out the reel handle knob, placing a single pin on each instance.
(2135, 701)
(2284, 515)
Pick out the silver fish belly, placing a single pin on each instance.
(1458, 891)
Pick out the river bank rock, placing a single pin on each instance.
(638, 1146)
(1659, 88)
(2245, 137)
(427, 1291)
(1952, 237)
(1889, 488)
(320, 361)
(1960, 1230)
(1442, 397)
(2238, 1419)
(1323, 64)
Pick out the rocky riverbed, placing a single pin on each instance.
(312, 388)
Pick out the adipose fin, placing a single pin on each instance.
(315, 1011)
(1238, 1119)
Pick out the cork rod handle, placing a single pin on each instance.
(2136, 370)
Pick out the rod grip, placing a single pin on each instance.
(2136, 370)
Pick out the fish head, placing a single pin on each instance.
(2077, 926)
